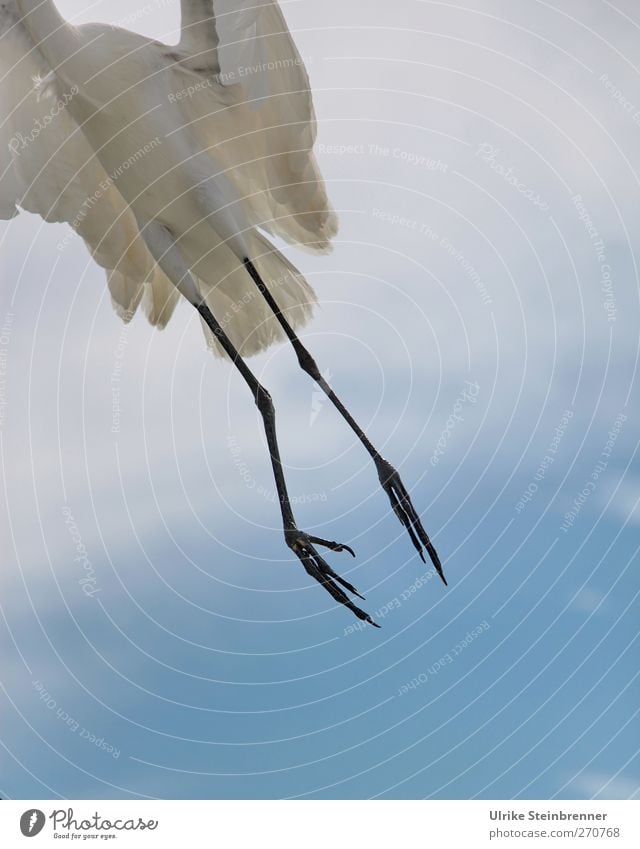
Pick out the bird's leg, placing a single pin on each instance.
(303, 545)
(389, 477)
(167, 255)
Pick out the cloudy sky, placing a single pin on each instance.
(480, 313)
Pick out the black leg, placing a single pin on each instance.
(302, 544)
(389, 477)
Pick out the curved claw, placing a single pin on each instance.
(333, 546)
(318, 568)
(405, 511)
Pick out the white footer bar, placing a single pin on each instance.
(320, 824)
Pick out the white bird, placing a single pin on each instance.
(171, 162)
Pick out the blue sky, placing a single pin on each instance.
(196, 660)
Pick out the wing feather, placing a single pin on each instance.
(48, 167)
(264, 134)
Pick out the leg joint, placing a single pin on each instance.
(308, 364)
(264, 402)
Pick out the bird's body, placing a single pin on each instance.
(195, 143)
(172, 162)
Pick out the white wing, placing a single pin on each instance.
(48, 167)
(265, 134)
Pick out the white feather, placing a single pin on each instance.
(266, 133)
(68, 166)
(49, 168)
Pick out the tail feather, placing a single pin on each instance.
(157, 295)
(126, 294)
(244, 314)
(230, 293)
(160, 299)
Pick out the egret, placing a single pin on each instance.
(172, 162)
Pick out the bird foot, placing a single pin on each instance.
(405, 511)
(303, 546)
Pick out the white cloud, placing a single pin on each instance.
(590, 601)
(602, 785)
(624, 505)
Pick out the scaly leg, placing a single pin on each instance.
(166, 253)
(389, 477)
